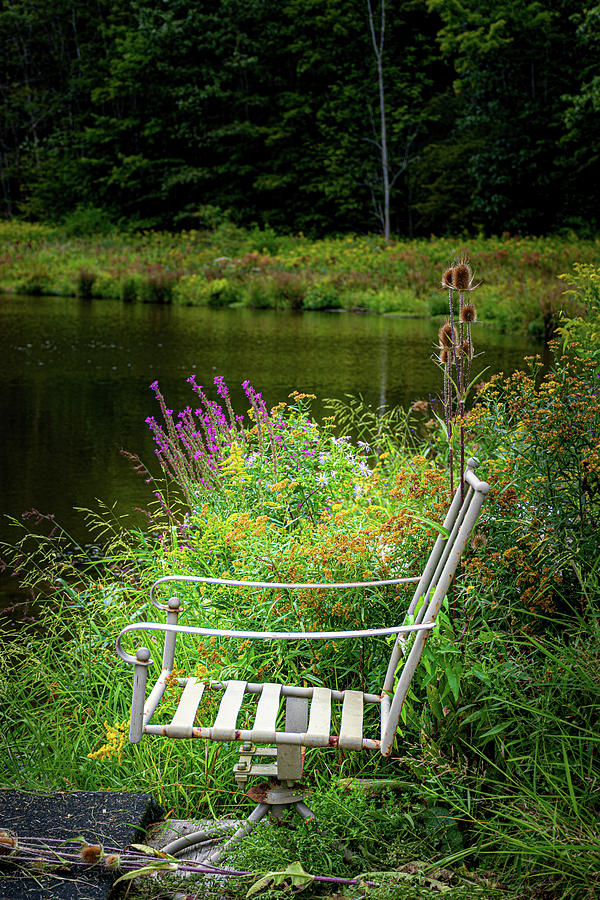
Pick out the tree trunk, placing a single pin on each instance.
(385, 168)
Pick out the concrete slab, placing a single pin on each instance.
(162, 833)
(109, 819)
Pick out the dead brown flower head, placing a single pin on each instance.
(463, 276)
(91, 853)
(8, 842)
(468, 313)
(447, 335)
(448, 278)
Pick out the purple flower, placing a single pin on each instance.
(221, 387)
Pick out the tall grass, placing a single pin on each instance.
(496, 768)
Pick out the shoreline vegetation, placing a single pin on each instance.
(230, 266)
(493, 788)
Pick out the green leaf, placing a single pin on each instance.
(158, 866)
(150, 851)
(454, 682)
(295, 874)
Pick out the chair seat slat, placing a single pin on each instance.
(183, 720)
(224, 726)
(351, 730)
(320, 718)
(266, 713)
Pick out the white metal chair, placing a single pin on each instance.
(308, 710)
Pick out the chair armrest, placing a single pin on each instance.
(296, 586)
(262, 635)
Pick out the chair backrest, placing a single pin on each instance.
(429, 594)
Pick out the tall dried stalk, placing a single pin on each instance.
(455, 354)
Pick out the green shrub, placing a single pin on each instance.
(86, 221)
(129, 290)
(222, 292)
(157, 286)
(36, 283)
(582, 332)
(195, 290)
(85, 282)
(396, 300)
(540, 436)
(322, 294)
(275, 290)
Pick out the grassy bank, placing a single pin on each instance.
(261, 269)
(495, 774)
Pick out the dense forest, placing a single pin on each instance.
(171, 114)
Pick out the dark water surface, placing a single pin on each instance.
(75, 377)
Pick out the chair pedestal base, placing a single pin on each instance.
(272, 798)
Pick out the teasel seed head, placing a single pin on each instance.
(462, 276)
(448, 278)
(447, 335)
(445, 356)
(468, 313)
(8, 842)
(91, 853)
(466, 348)
(113, 861)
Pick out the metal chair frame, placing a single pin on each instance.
(303, 728)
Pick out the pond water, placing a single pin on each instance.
(75, 382)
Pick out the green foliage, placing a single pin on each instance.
(521, 290)
(86, 221)
(266, 114)
(85, 282)
(322, 294)
(157, 285)
(541, 437)
(498, 753)
(580, 333)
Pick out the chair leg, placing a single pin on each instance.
(258, 813)
(304, 810)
